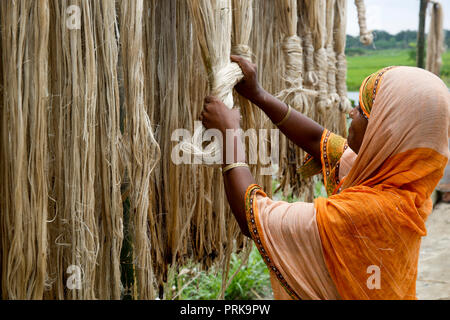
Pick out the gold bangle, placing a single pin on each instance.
(285, 117)
(234, 165)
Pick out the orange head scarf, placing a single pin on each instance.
(368, 91)
(371, 231)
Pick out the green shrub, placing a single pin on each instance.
(355, 52)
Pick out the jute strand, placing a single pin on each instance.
(294, 94)
(317, 16)
(23, 159)
(331, 55)
(340, 26)
(143, 148)
(213, 25)
(310, 78)
(242, 28)
(366, 36)
(435, 41)
(108, 180)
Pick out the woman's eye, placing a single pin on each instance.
(359, 109)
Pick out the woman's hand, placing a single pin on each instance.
(249, 86)
(216, 115)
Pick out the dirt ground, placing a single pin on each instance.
(433, 281)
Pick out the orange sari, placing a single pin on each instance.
(377, 221)
(370, 232)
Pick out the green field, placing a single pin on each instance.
(361, 66)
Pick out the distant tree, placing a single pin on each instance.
(382, 35)
(404, 38)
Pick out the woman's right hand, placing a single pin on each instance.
(249, 86)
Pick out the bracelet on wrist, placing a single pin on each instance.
(234, 165)
(286, 117)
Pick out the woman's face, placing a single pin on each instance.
(357, 129)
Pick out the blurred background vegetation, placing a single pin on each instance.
(387, 50)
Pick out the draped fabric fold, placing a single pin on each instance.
(286, 235)
(377, 221)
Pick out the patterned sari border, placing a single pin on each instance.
(254, 227)
(323, 156)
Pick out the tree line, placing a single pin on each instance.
(384, 40)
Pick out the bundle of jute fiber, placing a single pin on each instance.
(162, 107)
(172, 176)
(189, 218)
(241, 30)
(23, 156)
(73, 240)
(317, 18)
(252, 116)
(59, 237)
(211, 220)
(365, 36)
(304, 30)
(294, 94)
(191, 93)
(85, 236)
(340, 26)
(110, 169)
(143, 148)
(213, 25)
(435, 40)
(197, 241)
(266, 40)
(172, 82)
(331, 55)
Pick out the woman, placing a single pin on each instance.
(362, 242)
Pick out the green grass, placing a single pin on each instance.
(359, 67)
(445, 70)
(251, 283)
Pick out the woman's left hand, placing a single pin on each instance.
(216, 115)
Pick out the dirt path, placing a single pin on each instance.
(433, 281)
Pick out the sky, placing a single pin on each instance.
(392, 16)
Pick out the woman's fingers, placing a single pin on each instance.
(211, 99)
(215, 115)
(204, 118)
(245, 65)
(207, 107)
(236, 59)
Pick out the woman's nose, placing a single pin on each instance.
(352, 112)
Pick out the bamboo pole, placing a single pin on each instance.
(421, 34)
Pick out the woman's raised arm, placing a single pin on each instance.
(303, 131)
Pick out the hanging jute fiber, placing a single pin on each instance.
(365, 36)
(435, 39)
(24, 142)
(95, 96)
